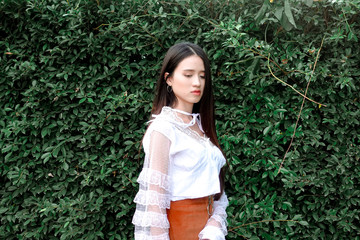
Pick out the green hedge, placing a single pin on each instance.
(77, 81)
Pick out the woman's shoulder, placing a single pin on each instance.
(162, 123)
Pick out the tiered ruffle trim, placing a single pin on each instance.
(152, 198)
(150, 219)
(152, 177)
(144, 236)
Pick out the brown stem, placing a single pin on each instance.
(246, 224)
(268, 58)
(290, 85)
(302, 105)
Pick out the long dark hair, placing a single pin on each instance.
(205, 106)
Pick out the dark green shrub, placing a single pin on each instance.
(77, 83)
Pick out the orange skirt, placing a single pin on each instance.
(188, 217)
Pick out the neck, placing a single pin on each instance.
(185, 108)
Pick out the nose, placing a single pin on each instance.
(196, 81)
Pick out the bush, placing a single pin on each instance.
(76, 90)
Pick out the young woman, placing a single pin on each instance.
(181, 193)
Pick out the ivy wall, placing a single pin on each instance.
(76, 84)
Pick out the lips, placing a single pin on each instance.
(196, 92)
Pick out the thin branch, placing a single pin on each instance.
(186, 19)
(238, 234)
(290, 85)
(263, 221)
(128, 179)
(346, 21)
(268, 58)
(302, 105)
(140, 16)
(106, 118)
(151, 35)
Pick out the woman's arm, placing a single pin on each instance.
(215, 228)
(153, 198)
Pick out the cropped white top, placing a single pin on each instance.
(179, 164)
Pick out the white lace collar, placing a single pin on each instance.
(169, 114)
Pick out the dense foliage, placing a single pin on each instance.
(77, 80)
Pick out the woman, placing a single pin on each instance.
(181, 193)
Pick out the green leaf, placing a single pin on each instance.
(280, 110)
(44, 131)
(304, 223)
(279, 12)
(3, 210)
(309, 3)
(267, 129)
(7, 149)
(55, 152)
(288, 13)
(217, 54)
(45, 155)
(66, 166)
(260, 15)
(128, 142)
(91, 195)
(288, 204)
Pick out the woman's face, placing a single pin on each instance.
(187, 82)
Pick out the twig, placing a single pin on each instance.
(106, 118)
(263, 221)
(128, 179)
(302, 105)
(346, 21)
(187, 18)
(290, 85)
(268, 58)
(151, 35)
(268, 64)
(238, 234)
(142, 16)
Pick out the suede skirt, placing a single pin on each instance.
(188, 217)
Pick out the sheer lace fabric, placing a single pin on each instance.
(153, 198)
(215, 228)
(179, 164)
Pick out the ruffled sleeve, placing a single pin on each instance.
(215, 228)
(153, 198)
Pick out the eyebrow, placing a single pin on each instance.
(192, 70)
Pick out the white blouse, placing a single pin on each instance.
(179, 164)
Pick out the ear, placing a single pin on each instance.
(168, 78)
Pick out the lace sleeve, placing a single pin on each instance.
(215, 228)
(153, 198)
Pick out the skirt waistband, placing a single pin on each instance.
(207, 202)
(188, 217)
